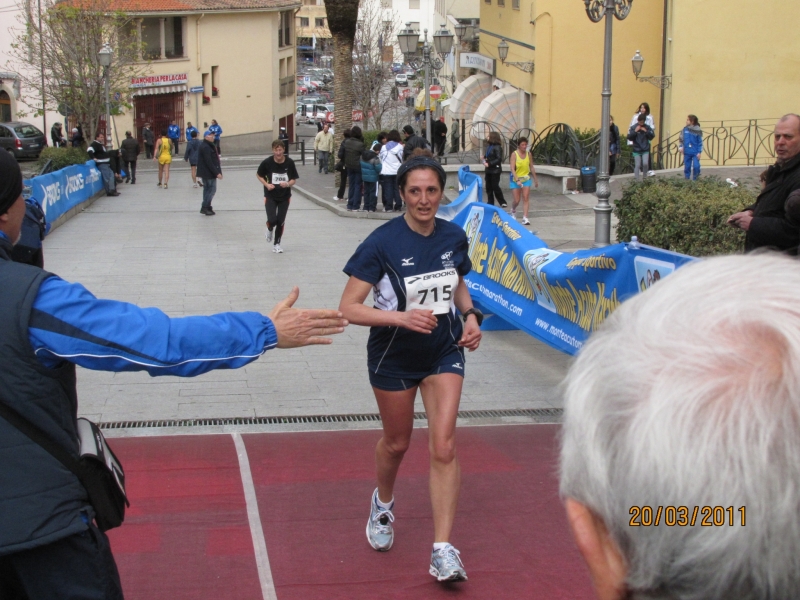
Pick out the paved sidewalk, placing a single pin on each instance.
(152, 247)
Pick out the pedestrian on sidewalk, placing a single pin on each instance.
(439, 135)
(50, 544)
(353, 148)
(149, 140)
(522, 175)
(640, 136)
(217, 134)
(77, 138)
(129, 148)
(341, 169)
(323, 146)
(691, 145)
(174, 134)
(370, 172)
(284, 137)
(189, 129)
(493, 163)
(163, 155)
(209, 170)
(614, 148)
(391, 157)
(102, 160)
(277, 174)
(416, 342)
(191, 155)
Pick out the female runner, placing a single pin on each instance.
(521, 172)
(163, 154)
(414, 266)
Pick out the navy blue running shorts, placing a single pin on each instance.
(451, 363)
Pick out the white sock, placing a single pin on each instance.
(440, 545)
(384, 505)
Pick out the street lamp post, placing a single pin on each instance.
(597, 10)
(104, 56)
(408, 39)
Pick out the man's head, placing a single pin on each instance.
(172, 122)
(408, 131)
(74, 130)
(188, 124)
(278, 149)
(128, 134)
(689, 396)
(12, 205)
(193, 133)
(642, 118)
(208, 136)
(147, 125)
(100, 138)
(326, 127)
(787, 137)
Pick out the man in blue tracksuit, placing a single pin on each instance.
(50, 546)
(174, 135)
(189, 129)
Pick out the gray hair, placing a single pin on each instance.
(689, 395)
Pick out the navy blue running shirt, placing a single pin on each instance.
(408, 270)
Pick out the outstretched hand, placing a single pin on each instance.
(304, 327)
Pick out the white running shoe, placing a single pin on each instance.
(525, 221)
(336, 198)
(268, 235)
(446, 565)
(380, 533)
(277, 249)
(651, 173)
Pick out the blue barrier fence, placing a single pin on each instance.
(557, 297)
(62, 190)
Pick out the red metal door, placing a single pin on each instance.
(158, 110)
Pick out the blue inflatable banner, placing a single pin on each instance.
(557, 297)
(66, 188)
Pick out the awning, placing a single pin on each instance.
(468, 95)
(502, 109)
(161, 89)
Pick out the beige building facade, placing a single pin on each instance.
(234, 65)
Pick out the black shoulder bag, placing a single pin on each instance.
(98, 469)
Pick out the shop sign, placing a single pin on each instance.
(156, 80)
(473, 60)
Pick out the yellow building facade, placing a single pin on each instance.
(727, 59)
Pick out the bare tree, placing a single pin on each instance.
(373, 79)
(61, 57)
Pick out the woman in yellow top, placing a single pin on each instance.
(521, 173)
(163, 154)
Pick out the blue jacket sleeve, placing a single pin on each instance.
(68, 323)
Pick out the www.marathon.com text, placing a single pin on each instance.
(494, 296)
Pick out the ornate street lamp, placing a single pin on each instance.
(461, 29)
(660, 82)
(597, 10)
(104, 56)
(408, 39)
(502, 50)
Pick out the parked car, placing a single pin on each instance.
(401, 79)
(22, 139)
(397, 68)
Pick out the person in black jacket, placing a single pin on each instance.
(641, 134)
(412, 142)
(129, 148)
(149, 140)
(339, 166)
(493, 161)
(439, 135)
(766, 221)
(191, 154)
(353, 148)
(613, 145)
(209, 170)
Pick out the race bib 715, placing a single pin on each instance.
(431, 291)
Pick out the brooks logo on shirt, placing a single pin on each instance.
(407, 262)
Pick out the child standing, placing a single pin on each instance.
(370, 170)
(640, 136)
(692, 146)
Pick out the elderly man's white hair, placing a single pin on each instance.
(689, 395)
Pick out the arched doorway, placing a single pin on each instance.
(5, 107)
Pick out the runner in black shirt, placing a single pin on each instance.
(277, 174)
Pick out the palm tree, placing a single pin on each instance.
(342, 18)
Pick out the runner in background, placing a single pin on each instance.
(277, 174)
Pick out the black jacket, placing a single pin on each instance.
(412, 143)
(208, 166)
(494, 156)
(769, 226)
(148, 136)
(40, 500)
(641, 139)
(353, 147)
(129, 149)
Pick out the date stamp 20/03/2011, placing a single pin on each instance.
(683, 516)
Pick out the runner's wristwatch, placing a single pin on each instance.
(473, 311)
